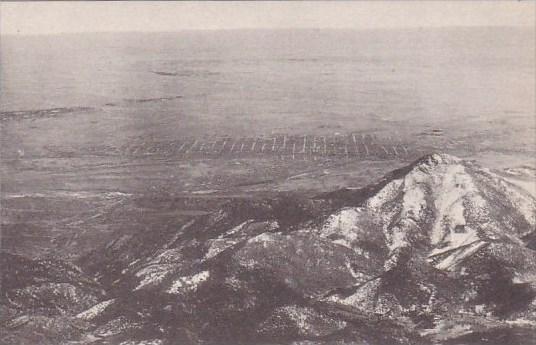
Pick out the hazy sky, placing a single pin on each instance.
(60, 17)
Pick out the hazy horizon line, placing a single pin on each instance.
(420, 28)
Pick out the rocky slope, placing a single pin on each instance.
(440, 251)
(39, 299)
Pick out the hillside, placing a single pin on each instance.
(441, 251)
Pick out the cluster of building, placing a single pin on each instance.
(283, 146)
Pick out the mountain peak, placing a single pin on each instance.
(437, 159)
(446, 202)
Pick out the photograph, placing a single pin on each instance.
(268, 172)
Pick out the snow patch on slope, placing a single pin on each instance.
(449, 203)
(523, 195)
(385, 195)
(397, 239)
(262, 238)
(188, 283)
(237, 234)
(414, 200)
(96, 310)
(237, 228)
(219, 245)
(308, 321)
(460, 254)
(152, 274)
(343, 224)
(142, 342)
(362, 298)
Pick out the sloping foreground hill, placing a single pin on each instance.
(39, 298)
(437, 252)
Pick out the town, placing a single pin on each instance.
(282, 146)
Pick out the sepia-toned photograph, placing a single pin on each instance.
(268, 173)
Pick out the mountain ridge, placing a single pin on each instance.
(421, 252)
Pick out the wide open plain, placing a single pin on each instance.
(82, 152)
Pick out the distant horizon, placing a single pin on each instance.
(409, 28)
(50, 18)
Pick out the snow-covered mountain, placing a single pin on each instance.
(441, 251)
(449, 208)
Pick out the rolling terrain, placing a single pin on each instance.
(439, 251)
